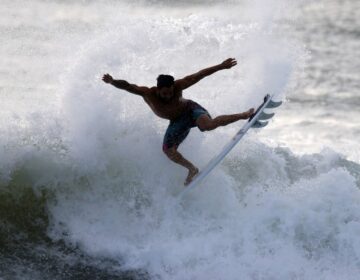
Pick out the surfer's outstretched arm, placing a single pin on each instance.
(194, 78)
(122, 84)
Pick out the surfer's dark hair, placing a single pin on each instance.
(165, 81)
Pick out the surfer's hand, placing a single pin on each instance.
(107, 79)
(227, 64)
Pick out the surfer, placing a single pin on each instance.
(166, 101)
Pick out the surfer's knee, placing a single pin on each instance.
(205, 123)
(169, 151)
(207, 126)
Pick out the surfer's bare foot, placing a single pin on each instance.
(192, 173)
(249, 113)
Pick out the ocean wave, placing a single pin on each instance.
(263, 204)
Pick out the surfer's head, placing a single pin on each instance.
(165, 85)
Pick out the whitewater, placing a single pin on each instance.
(85, 189)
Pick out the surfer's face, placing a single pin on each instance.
(166, 93)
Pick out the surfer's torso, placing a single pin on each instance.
(166, 109)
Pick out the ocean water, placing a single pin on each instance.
(85, 190)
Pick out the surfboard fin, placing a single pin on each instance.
(259, 124)
(273, 104)
(265, 116)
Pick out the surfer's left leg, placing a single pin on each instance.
(206, 123)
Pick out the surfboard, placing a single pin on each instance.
(258, 120)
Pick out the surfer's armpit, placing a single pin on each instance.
(132, 88)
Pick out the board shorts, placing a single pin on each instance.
(179, 128)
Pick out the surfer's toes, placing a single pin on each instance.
(190, 176)
(250, 112)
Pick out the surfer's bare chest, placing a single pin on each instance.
(166, 109)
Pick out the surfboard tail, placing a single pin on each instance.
(259, 124)
(273, 104)
(265, 116)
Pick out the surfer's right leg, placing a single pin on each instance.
(206, 123)
(176, 157)
(175, 134)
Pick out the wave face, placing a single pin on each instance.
(85, 191)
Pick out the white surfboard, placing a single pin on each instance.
(257, 121)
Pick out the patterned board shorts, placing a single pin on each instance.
(178, 129)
